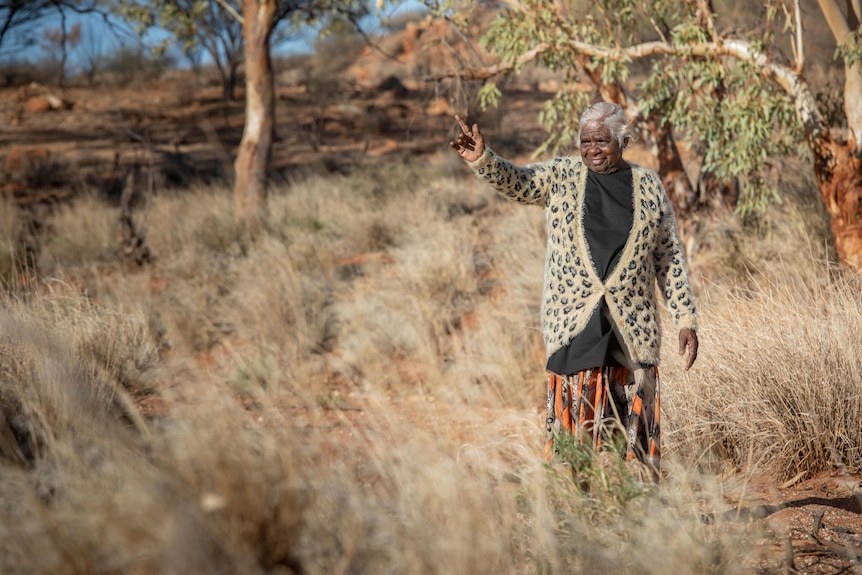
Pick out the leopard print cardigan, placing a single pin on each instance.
(573, 289)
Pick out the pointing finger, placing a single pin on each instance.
(463, 125)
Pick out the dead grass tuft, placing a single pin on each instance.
(777, 386)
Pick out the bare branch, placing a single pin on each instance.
(854, 12)
(515, 5)
(852, 553)
(658, 30)
(353, 18)
(495, 69)
(800, 55)
(463, 37)
(836, 20)
(230, 10)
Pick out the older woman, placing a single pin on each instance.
(611, 235)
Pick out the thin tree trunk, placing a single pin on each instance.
(64, 50)
(853, 105)
(671, 170)
(227, 83)
(232, 73)
(256, 145)
(133, 243)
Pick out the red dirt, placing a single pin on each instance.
(814, 525)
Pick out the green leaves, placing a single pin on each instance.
(727, 105)
(736, 118)
(851, 49)
(178, 17)
(508, 36)
(559, 117)
(489, 95)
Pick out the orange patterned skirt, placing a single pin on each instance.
(596, 404)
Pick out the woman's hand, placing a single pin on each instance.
(470, 144)
(688, 343)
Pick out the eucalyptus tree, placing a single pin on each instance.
(739, 90)
(258, 19)
(210, 26)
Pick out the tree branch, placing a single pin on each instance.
(230, 10)
(791, 82)
(369, 41)
(850, 552)
(495, 69)
(836, 20)
(800, 56)
(854, 12)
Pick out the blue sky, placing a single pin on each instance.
(108, 41)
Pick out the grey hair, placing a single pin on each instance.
(612, 117)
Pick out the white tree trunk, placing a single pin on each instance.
(255, 148)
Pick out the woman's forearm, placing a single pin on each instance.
(524, 184)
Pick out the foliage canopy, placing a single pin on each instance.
(732, 94)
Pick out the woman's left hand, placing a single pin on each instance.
(470, 144)
(688, 343)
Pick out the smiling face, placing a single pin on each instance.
(601, 152)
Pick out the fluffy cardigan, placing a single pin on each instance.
(573, 290)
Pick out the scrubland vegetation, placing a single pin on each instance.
(362, 389)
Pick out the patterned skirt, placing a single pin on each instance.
(598, 404)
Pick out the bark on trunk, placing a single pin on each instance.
(671, 170)
(853, 104)
(256, 145)
(838, 164)
(839, 176)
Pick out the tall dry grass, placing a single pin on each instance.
(779, 384)
(778, 387)
(361, 391)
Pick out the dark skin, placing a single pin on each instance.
(600, 151)
(602, 154)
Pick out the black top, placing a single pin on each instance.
(608, 220)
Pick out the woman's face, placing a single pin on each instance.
(600, 151)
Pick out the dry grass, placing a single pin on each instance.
(780, 385)
(361, 392)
